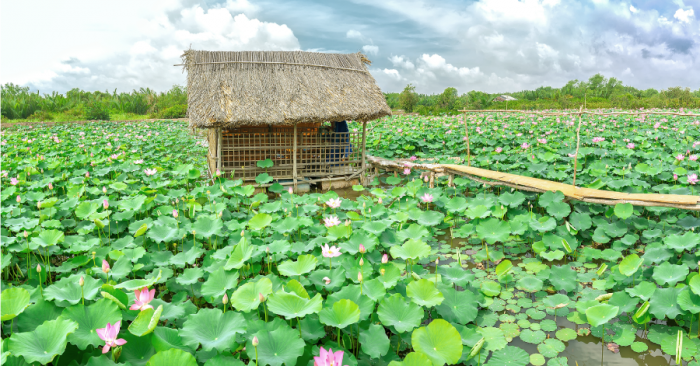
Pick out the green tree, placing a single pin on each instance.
(447, 99)
(408, 98)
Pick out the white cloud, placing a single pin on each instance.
(353, 34)
(392, 73)
(370, 49)
(684, 16)
(400, 61)
(148, 61)
(633, 9)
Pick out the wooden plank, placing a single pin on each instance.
(294, 158)
(364, 148)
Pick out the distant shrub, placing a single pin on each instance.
(95, 111)
(41, 116)
(176, 111)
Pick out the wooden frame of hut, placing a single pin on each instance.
(262, 105)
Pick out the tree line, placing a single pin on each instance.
(596, 92)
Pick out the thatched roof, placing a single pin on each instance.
(230, 89)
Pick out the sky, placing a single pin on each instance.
(487, 45)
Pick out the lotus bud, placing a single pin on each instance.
(87, 174)
(104, 189)
(363, 204)
(175, 214)
(327, 280)
(382, 271)
(437, 261)
(105, 266)
(38, 205)
(362, 249)
(81, 282)
(225, 299)
(105, 204)
(194, 232)
(255, 341)
(267, 250)
(242, 233)
(369, 210)
(38, 268)
(50, 185)
(208, 192)
(19, 199)
(290, 190)
(93, 255)
(261, 297)
(359, 276)
(380, 200)
(362, 262)
(385, 258)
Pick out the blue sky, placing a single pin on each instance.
(488, 45)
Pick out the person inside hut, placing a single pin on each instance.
(342, 148)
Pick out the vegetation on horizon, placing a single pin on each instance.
(597, 92)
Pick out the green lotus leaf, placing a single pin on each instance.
(37, 314)
(213, 329)
(224, 359)
(240, 254)
(630, 264)
(424, 293)
(563, 278)
(656, 254)
(164, 339)
(189, 276)
(600, 314)
(490, 288)
(511, 200)
(566, 334)
(478, 212)
(44, 343)
(458, 307)
(395, 311)
(494, 338)
(90, 318)
(532, 336)
(352, 293)
(550, 347)
(85, 209)
(493, 230)
(624, 210)
(644, 290)
(543, 224)
(430, 218)
(67, 291)
(552, 255)
(343, 313)
(670, 274)
(219, 282)
(559, 210)
(304, 264)
(48, 238)
(664, 303)
(133, 204)
(529, 283)
(164, 234)
(246, 297)
(440, 341)
(146, 321)
(509, 356)
(688, 348)
(292, 305)
(413, 249)
(684, 243)
(537, 359)
(132, 285)
(374, 227)
(639, 347)
(13, 302)
(374, 341)
(413, 359)
(260, 221)
(172, 357)
(277, 347)
(694, 285)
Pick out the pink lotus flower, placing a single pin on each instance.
(680, 157)
(105, 204)
(385, 259)
(175, 214)
(692, 179)
(427, 198)
(406, 171)
(334, 202)
(331, 221)
(328, 358)
(362, 249)
(413, 158)
(630, 146)
(693, 158)
(14, 181)
(524, 145)
(143, 297)
(499, 150)
(137, 162)
(542, 141)
(109, 334)
(50, 185)
(675, 177)
(150, 172)
(598, 139)
(87, 174)
(327, 280)
(19, 199)
(290, 190)
(330, 252)
(105, 266)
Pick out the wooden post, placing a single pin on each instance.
(219, 162)
(294, 158)
(578, 131)
(466, 129)
(364, 149)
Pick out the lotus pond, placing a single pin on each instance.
(117, 248)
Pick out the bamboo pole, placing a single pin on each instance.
(466, 131)
(294, 159)
(364, 149)
(219, 139)
(578, 141)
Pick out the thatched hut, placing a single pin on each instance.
(272, 105)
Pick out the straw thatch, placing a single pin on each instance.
(231, 89)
